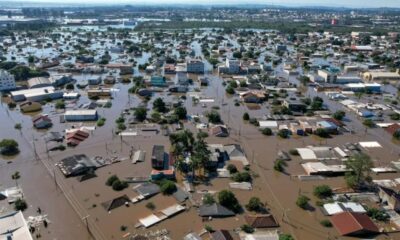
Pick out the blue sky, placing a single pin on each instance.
(335, 3)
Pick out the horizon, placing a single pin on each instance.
(283, 3)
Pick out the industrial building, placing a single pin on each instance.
(36, 94)
(81, 115)
(39, 82)
(381, 76)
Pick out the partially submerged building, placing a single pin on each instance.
(76, 165)
(81, 115)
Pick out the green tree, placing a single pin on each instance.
(241, 177)
(326, 223)
(159, 105)
(119, 185)
(231, 168)
(69, 86)
(377, 214)
(214, 117)
(359, 166)
(237, 55)
(255, 205)
(60, 104)
(246, 116)
(20, 205)
(247, 228)
(208, 199)
(227, 199)
(167, 187)
(8, 147)
(321, 132)
(279, 165)
(140, 114)
(201, 153)
(230, 90)
(266, 131)
(285, 237)
(283, 133)
(369, 123)
(339, 115)
(111, 180)
(181, 112)
(323, 191)
(302, 201)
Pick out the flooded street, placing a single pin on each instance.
(83, 207)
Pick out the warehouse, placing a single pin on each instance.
(36, 94)
(381, 76)
(39, 82)
(81, 115)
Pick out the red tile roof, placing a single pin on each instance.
(261, 221)
(393, 128)
(350, 223)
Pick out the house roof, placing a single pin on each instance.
(147, 189)
(219, 130)
(115, 203)
(261, 221)
(350, 223)
(13, 226)
(221, 235)
(393, 128)
(215, 210)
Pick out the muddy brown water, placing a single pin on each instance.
(278, 190)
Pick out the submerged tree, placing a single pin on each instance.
(359, 166)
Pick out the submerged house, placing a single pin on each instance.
(215, 210)
(41, 122)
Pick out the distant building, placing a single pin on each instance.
(281, 47)
(30, 107)
(232, 66)
(36, 94)
(76, 165)
(363, 87)
(7, 81)
(253, 96)
(195, 66)
(295, 105)
(158, 81)
(80, 115)
(39, 82)
(169, 69)
(59, 80)
(94, 81)
(181, 75)
(381, 76)
(219, 131)
(41, 122)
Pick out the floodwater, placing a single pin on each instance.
(84, 199)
